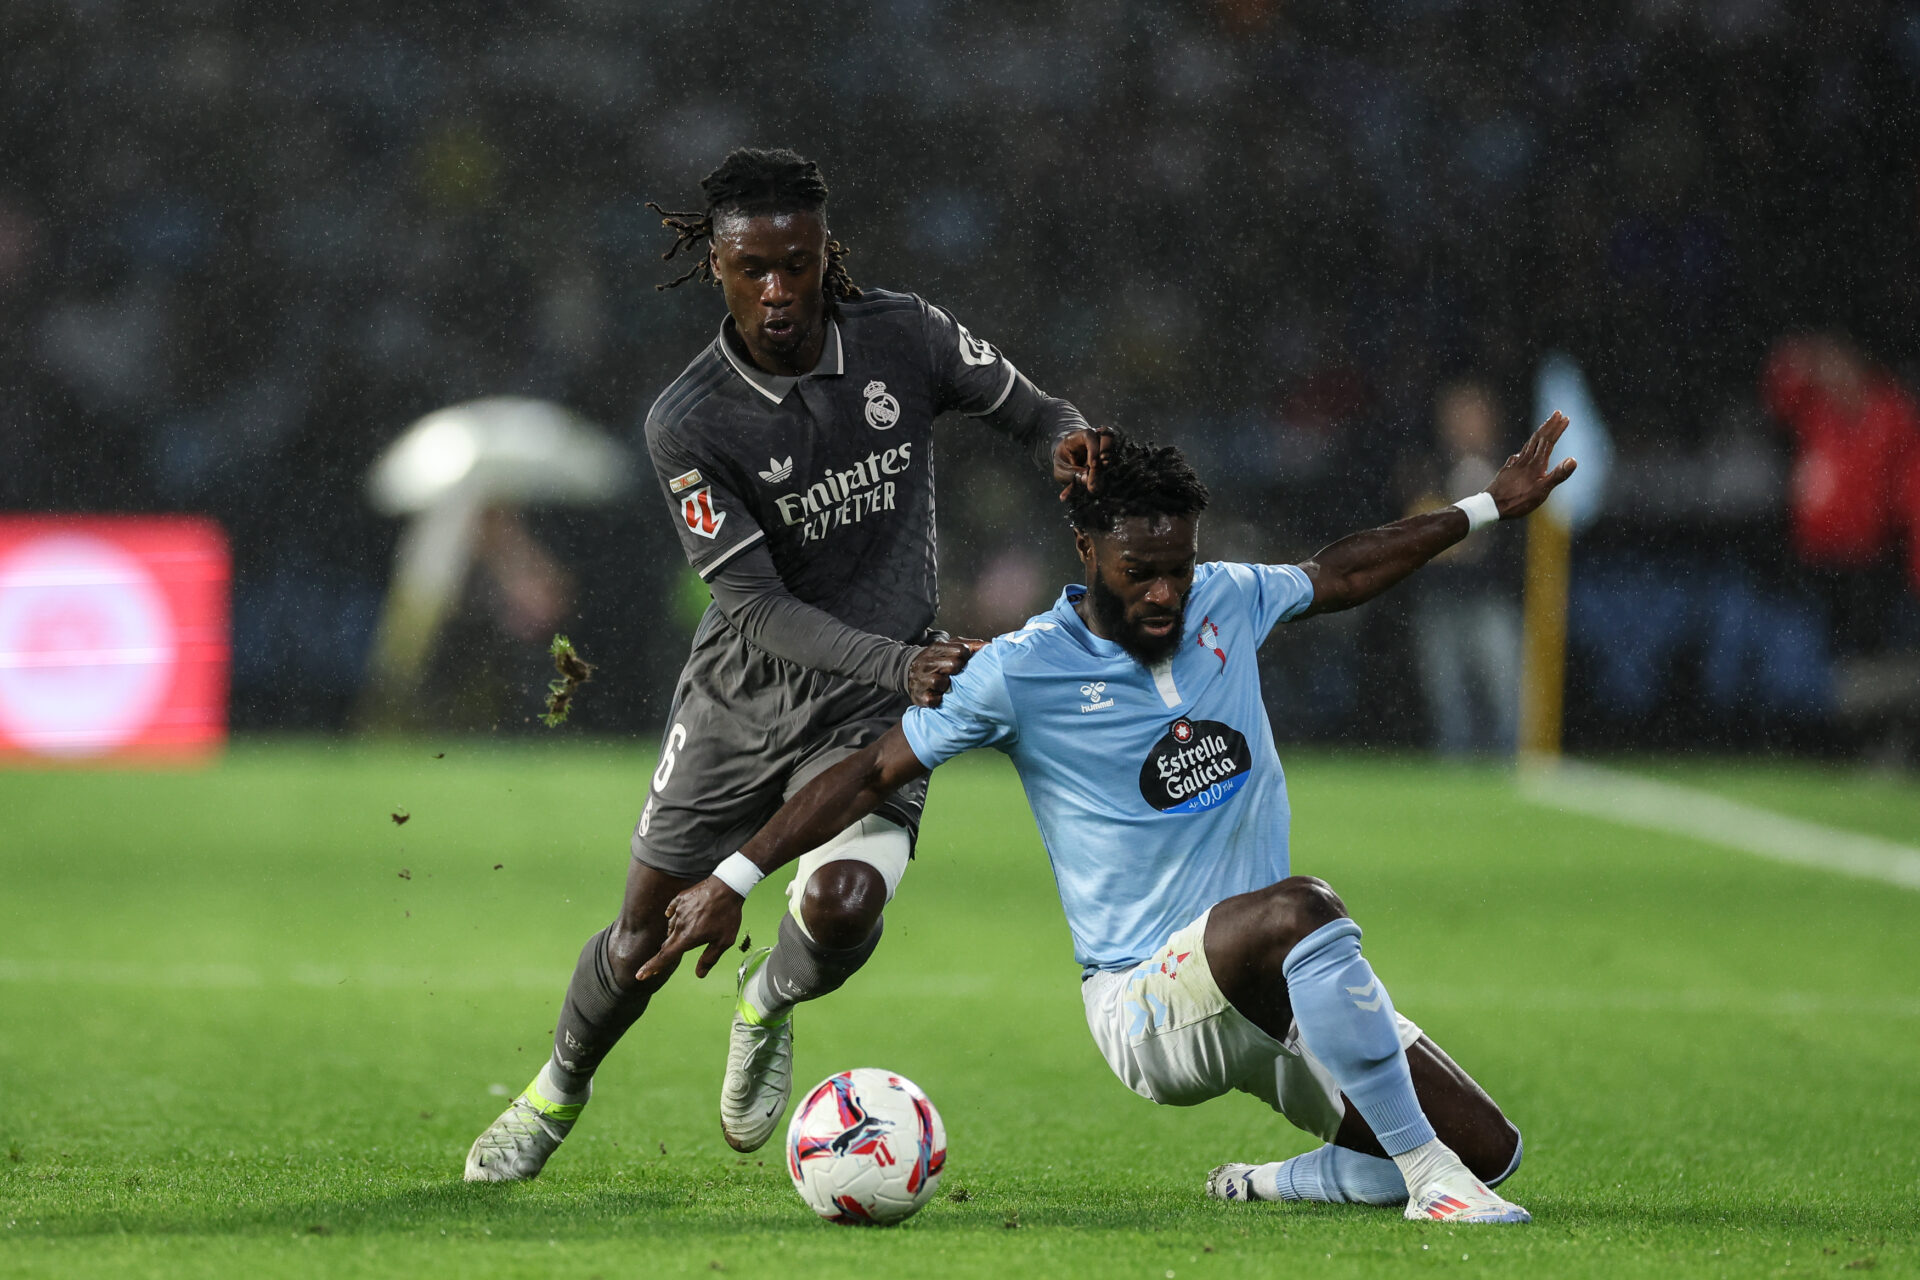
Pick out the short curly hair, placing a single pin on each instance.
(1137, 480)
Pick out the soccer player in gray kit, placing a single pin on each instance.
(795, 455)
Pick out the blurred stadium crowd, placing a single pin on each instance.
(243, 245)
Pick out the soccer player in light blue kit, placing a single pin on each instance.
(1207, 966)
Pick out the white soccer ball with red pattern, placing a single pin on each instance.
(866, 1148)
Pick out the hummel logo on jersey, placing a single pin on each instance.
(696, 509)
(973, 350)
(778, 469)
(882, 409)
(1360, 995)
(1095, 694)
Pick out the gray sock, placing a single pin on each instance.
(801, 969)
(593, 1017)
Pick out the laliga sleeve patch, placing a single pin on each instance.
(1196, 765)
(696, 509)
(975, 351)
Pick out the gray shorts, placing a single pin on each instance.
(746, 732)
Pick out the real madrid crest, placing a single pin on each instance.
(882, 409)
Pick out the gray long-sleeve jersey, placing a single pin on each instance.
(807, 503)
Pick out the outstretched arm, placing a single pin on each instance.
(750, 592)
(708, 914)
(1361, 565)
(1058, 435)
(980, 382)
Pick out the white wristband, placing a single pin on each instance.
(739, 873)
(1480, 509)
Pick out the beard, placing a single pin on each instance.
(1110, 612)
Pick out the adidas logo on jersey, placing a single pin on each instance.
(778, 469)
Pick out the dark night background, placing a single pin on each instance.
(242, 246)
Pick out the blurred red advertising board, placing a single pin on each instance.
(113, 637)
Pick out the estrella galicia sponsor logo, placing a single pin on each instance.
(844, 497)
(1196, 765)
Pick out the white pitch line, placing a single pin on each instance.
(18, 973)
(1411, 998)
(1664, 806)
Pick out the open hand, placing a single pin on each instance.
(707, 915)
(1078, 457)
(932, 670)
(1524, 482)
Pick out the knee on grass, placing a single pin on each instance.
(842, 903)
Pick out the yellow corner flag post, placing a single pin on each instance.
(1543, 645)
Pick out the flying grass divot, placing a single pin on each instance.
(574, 672)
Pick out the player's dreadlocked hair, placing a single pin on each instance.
(754, 182)
(1137, 480)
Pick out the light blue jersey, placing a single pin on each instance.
(1157, 790)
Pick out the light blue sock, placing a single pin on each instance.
(1332, 1175)
(1346, 1019)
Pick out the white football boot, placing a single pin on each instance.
(759, 1069)
(1460, 1197)
(1232, 1182)
(1454, 1197)
(517, 1145)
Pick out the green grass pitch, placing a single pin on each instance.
(248, 1025)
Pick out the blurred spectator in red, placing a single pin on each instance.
(1856, 475)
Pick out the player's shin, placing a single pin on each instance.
(801, 969)
(1346, 1019)
(595, 1014)
(1331, 1175)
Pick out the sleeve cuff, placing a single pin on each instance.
(1013, 376)
(1304, 585)
(922, 750)
(719, 562)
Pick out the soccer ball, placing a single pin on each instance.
(866, 1148)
